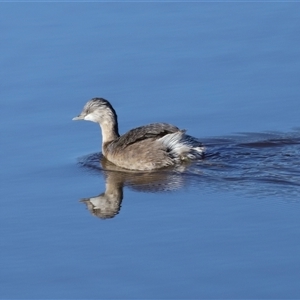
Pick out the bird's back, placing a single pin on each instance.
(140, 149)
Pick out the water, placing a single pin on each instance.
(224, 227)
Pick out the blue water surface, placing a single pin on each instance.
(226, 228)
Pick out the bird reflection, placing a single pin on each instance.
(108, 204)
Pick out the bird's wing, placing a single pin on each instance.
(155, 130)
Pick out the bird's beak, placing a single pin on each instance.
(80, 117)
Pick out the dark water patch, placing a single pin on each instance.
(267, 163)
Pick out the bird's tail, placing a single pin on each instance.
(183, 146)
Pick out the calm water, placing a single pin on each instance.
(72, 226)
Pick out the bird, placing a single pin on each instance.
(145, 148)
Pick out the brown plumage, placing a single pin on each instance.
(148, 147)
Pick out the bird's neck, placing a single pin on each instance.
(109, 131)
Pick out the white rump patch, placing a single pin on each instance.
(174, 142)
(181, 146)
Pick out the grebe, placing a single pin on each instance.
(144, 148)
